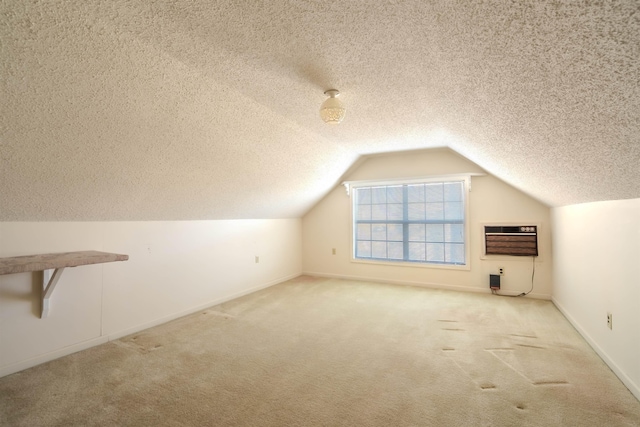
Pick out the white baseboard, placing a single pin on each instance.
(43, 358)
(46, 357)
(415, 283)
(633, 387)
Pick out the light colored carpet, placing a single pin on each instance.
(322, 352)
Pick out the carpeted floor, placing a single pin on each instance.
(322, 352)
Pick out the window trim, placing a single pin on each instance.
(465, 178)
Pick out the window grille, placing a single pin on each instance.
(410, 222)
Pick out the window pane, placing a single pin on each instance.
(415, 193)
(394, 232)
(364, 212)
(435, 211)
(379, 212)
(435, 252)
(364, 232)
(435, 233)
(453, 210)
(363, 250)
(363, 196)
(394, 212)
(454, 233)
(378, 232)
(416, 232)
(395, 250)
(434, 192)
(416, 211)
(394, 194)
(379, 195)
(417, 251)
(379, 249)
(453, 191)
(454, 253)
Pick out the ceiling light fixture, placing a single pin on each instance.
(332, 111)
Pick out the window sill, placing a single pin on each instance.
(465, 267)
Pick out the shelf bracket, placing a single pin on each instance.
(49, 282)
(347, 187)
(55, 262)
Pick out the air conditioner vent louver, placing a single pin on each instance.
(515, 240)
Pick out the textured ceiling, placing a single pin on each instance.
(194, 109)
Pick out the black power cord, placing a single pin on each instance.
(533, 273)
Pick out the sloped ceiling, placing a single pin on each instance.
(203, 109)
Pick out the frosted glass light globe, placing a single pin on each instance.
(332, 111)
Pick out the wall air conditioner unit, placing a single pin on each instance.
(514, 240)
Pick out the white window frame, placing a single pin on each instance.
(466, 179)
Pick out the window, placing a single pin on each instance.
(412, 222)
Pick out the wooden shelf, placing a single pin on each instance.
(23, 264)
(57, 262)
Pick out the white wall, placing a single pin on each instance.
(596, 250)
(328, 225)
(174, 268)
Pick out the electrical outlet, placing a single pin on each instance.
(501, 269)
(257, 259)
(333, 251)
(609, 320)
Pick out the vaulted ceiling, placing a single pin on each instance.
(194, 109)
